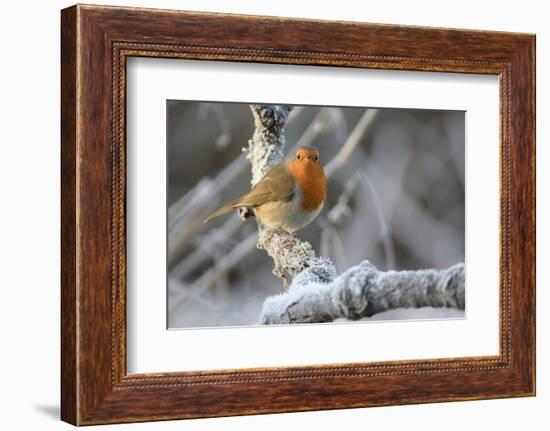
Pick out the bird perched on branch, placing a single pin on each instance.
(289, 196)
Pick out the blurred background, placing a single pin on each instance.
(397, 201)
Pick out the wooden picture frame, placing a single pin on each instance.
(95, 43)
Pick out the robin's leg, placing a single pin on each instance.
(284, 232)
(245, 213)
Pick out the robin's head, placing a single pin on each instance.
(307, 155)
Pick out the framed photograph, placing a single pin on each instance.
(266, 215)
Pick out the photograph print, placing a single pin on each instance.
(283, 214)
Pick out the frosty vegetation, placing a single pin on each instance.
(316, 293)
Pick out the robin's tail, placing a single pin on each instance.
(219, 212)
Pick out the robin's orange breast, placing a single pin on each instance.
(311, 180)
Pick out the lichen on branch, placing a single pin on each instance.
(265, 149)
(293, 256)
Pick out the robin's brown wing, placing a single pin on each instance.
(276, 186)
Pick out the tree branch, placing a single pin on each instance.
(363, 291)
(265, 149)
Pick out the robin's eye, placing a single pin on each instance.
(315, 158)
(297, 157)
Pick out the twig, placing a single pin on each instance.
(341, 211)
(384, 228)
(352, 142)
(215, 273)
(331, 240)
(185, 216)
(203, 251)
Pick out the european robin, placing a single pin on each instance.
(289, 196)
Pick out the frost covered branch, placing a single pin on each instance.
(363, 291)
(294, 256)
(265, 149)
